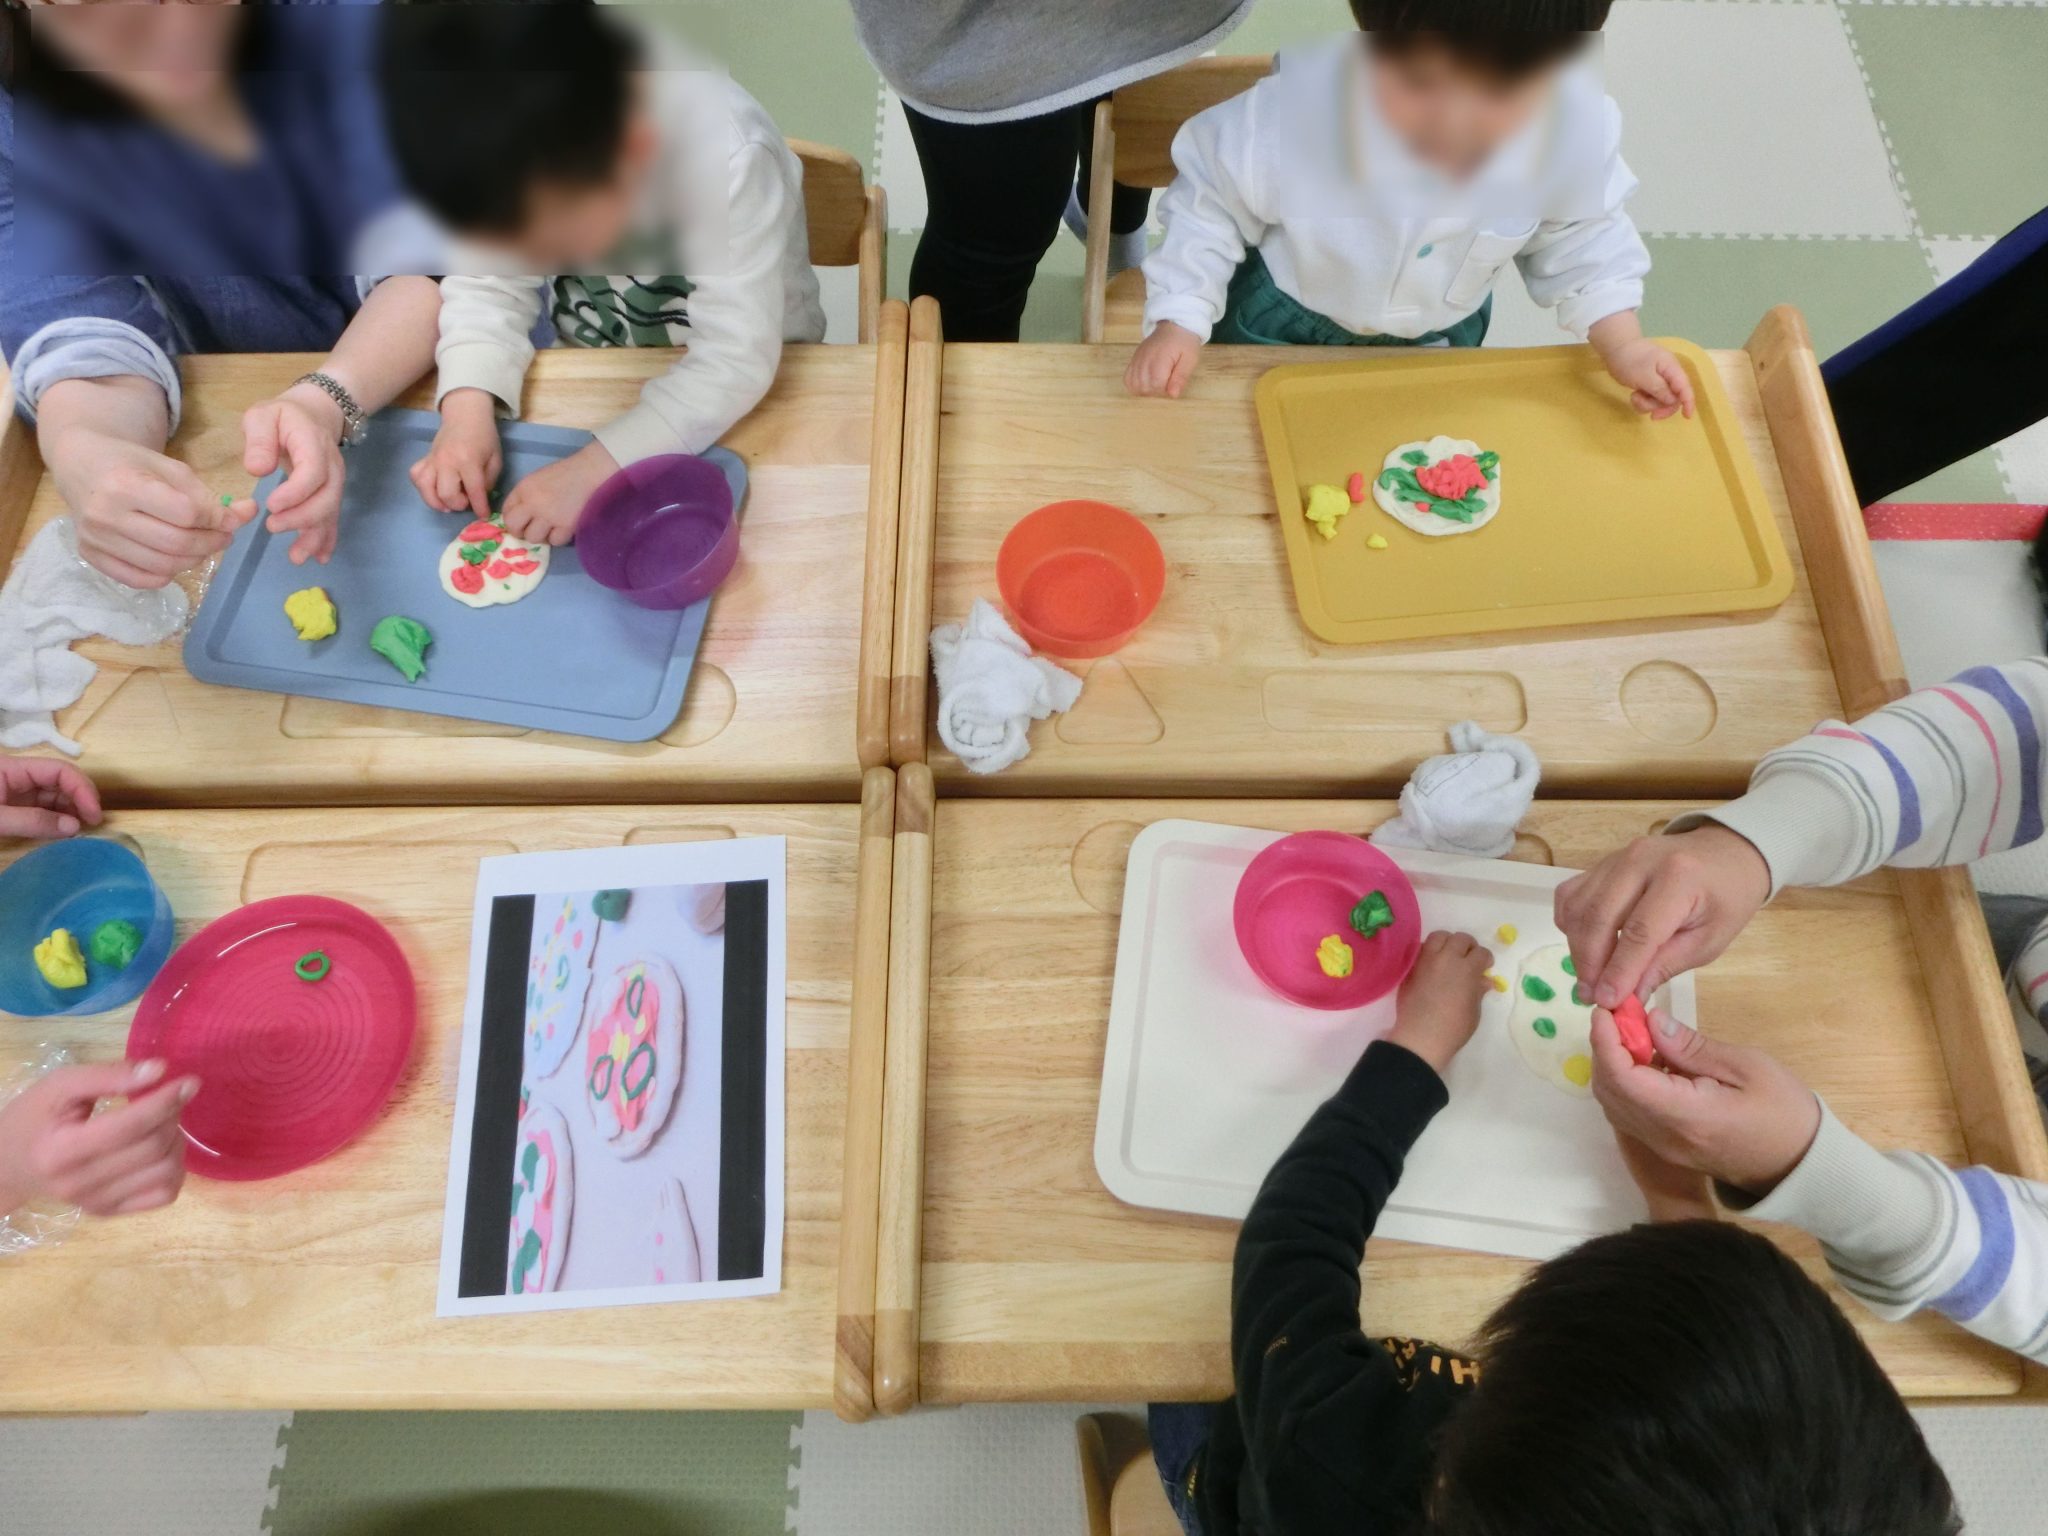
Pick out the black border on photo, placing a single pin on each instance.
(743, 1096)
(494, 1123)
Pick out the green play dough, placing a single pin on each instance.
(1538, 989)
(1568, 967)
(403, 642)
(115, 943)
(611, 905)
(1372, 914)
(1545, 1028)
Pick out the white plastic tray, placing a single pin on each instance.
(1208, 1075)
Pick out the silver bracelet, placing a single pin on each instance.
(354, 425)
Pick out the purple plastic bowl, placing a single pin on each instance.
(661, 533)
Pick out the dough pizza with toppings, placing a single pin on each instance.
(633, 1054)
(1551, 1028)
(486, 565)
(1439, 487)
(543, 1192)
(675, 1258)
(557, 982)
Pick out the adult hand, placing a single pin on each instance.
(545, 507)
(43, 797)
(142, 517)
(1727, 1111)
(1659, 907)
(1671, 1191)
(1164, 361)
(1438, 1008)
(467, 456)
(300, 429)
(132, 1158)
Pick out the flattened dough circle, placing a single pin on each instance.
(1430, 524)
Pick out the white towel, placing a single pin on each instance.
(52, 598)
(991, 688)
(1468, 801)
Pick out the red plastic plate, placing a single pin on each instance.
(290, 1070)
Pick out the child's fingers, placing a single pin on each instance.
(425, 480)
(476, 488)
(136, 1119)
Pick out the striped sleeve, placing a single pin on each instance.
(1906, 1232)
(1944, 776)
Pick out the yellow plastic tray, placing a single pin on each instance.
(1605, 515)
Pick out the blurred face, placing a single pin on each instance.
(160, 57)
(572, 228)
(1450, 115)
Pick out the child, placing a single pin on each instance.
(52, 1145)
(1367, 194)
(1687, 1379)
(1944, 775)
(553, 147)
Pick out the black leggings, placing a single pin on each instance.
(994, 195)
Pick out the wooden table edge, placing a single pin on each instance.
(917, 534)
(885, 491)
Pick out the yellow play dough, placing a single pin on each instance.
(1334, 956)
(1507, 933)
(311, 611)
(1375, 541)
(1579, 1069)
(1327, 505)
(58, 958)
(1499, 983)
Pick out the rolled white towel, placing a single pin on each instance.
(1469, 800)
(991, 688)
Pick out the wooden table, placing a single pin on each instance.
(1009, 1272)
(777, 707)
(1224, 691)
(318, 1289)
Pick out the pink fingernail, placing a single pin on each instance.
(148, 1071)
(1666, 1024)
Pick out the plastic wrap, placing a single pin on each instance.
(40, 1222)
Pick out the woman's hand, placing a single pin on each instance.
(302, 430)
(53, 1147)
(467, 457)
(42, 797)
(142, 516)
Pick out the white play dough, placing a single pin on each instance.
(506, 588)
(553, 1186)
(1431, 524)
(1571, 1021)
(613, 1029)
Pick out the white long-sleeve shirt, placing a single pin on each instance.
(1943, 776)
(734, 314)
(1303, 168)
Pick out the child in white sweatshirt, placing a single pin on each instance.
(552, 138)
(1943, 776)
(1370, 190)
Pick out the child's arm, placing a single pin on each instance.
(1210, 222)
(1901, 1232)
(387, 346)
(1943, 776)
(1297, 1348)
(484, 348)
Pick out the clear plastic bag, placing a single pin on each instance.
(39, 1223)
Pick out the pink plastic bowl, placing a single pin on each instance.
(661, 533)
(1302, 889)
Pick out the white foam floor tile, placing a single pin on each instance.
(1960, 604)
(1006, 1469)
(896, 166)
(1992, 1455)
(156, 1474)
(1748, 119)
(839, 292)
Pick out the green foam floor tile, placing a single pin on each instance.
(1960, 91)
(1715, 291)
(536, 1474)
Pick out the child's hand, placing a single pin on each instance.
(1164, 361)
(41, 797)
(1672, 1192)
(1655, 379)
(1660, 907)
(463, 465)
(1726, 1111)
(1439, 1004)
(302, 430)
(52, 1145)
(545, 506)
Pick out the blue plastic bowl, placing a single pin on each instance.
(78, 884)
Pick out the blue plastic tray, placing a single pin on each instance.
(572, 657)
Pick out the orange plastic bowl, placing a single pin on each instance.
(1079, 577)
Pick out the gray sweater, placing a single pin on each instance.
(996, 61)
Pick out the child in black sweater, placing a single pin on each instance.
(1681, 1379)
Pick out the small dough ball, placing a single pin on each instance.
(115, 943)
(1327, 506)
(704, 907)
(58, 958)
(1334, 956)
(312, 613)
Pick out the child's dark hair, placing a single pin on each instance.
(1510, 38)
(484, 101)
(1687, 1379)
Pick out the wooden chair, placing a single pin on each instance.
(1134, 132)
(848, 221)
(1119, 1485)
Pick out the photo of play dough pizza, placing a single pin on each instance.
(674, 1256)
(486, 566)
(1439, 487)
(633, 1054)
(543, 1192)
(1551, 1028)
(557, 982)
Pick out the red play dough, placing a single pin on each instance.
(498, 570)
(466, 578)
(1633, 1024)
(1355, 486)
(478, 531)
